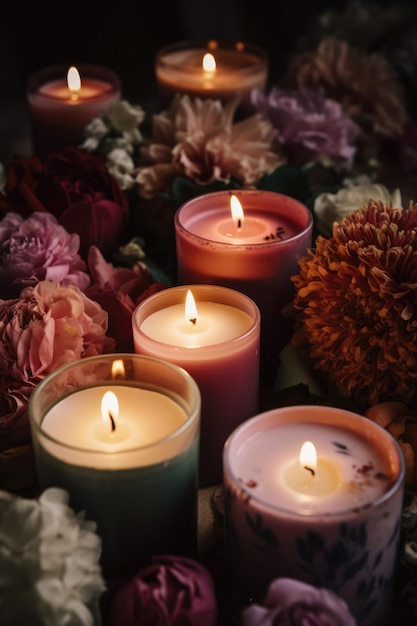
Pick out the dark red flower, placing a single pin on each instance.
(173, 591)
(77, 188)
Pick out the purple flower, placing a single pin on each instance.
(35, 249)
(293, 603)
(308, 125)
(173, 591)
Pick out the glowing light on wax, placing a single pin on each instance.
(110, 409)
(310, 475)
(191, 313)
(209, 63)
(308, 457)
(74, 82)
(237, 211)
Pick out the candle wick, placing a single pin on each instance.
(193, 320)
(310, 469)
(113, 423)
(239, 223)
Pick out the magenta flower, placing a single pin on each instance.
(308, 125)
(173, 591)
(38, 248)
(293, 603)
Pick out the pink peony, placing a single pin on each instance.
(173, 591)
(199, 140)
(293, 603)
(49, 325)
(308, 125)
(35, 249)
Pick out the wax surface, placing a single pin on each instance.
(236, 73)
(90, 88)
(217, 323)
(263, 460)
(145, 417)
(258, 226)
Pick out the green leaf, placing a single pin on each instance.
(287, 180)
(184, 189)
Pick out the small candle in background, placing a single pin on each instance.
(120, 433)
(215, 70)
(314, 493)
(256, 253)
(63, 100)
(218, 344)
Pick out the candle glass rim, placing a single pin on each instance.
(231, 295)
(260, 54)
(36, 415)
(190, 204)
(59, 72)
(375, 502)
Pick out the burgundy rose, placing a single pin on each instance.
(173, 591)
(118, 290)
(77, 188)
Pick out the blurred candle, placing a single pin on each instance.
(218, 344)
(256, 254)
(124, 444)
(62, 101)
(216, 70)
(331, 518)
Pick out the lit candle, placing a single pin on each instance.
(217, 342)
(256, 253)
(125, 447)
(315, 493)
(213, 70)
(62, 101)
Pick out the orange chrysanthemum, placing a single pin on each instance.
(356, 304)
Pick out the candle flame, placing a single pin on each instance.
(118, 369)
(110, 409)
(209, 63)
(191, 314)
(308, 457)
(73, 80)
(237, 211)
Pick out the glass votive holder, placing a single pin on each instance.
(211, 69)
(257, 258)
(120, 433)
(219, 348)
(59, 113)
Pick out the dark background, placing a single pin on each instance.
(125, 36)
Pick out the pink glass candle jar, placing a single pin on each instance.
(120, 433)
(59, 113)
(257, 257)
(332, 521)
(231, 70)
(220, 350)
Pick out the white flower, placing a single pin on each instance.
(125, 117)
(330, 208)
(49, 562)
(95, 132)
(116, 129)
(121, 166)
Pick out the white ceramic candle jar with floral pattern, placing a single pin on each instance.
(314, 493)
